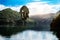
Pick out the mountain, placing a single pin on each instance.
(9, 15)
(43, 21)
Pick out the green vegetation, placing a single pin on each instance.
(8, 15)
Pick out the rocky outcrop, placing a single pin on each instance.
(55, 25)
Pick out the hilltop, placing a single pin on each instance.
(9, 15)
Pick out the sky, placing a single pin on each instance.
(36, 7)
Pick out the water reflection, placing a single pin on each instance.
(10, 29)
(24, 32)
(32, 35)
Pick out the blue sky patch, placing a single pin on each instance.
(23, 2)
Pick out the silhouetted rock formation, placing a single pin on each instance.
(55, 26)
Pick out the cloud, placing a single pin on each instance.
(42, 8)
(36, 8)
(2, 7)
(16, 8)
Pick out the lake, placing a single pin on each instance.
(32, 35)
(27, 34)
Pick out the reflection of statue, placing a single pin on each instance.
(24, 13)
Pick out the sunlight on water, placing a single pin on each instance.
(32, 35)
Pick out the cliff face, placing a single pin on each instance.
(8, 15)
(55, 25)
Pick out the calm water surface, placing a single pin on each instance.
(32, 35)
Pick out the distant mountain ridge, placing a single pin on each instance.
(42, 17)
(43, 21)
